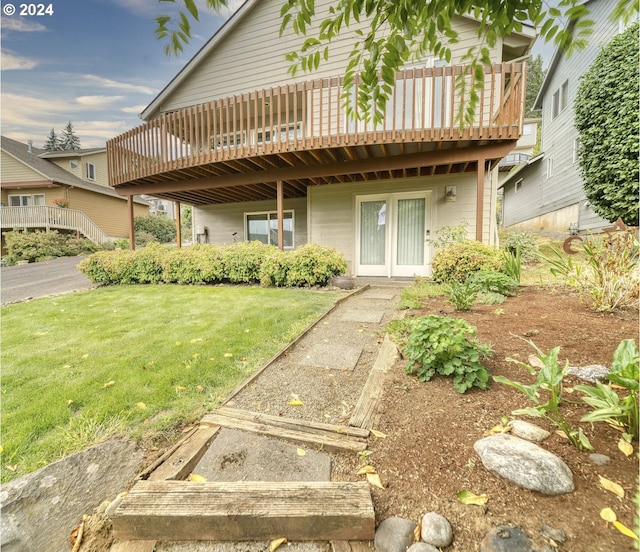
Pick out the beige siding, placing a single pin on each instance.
(252, 57)
(222, 221)
(12, 170)
(109, 213)
(50, 193)
(66, 164)
(98, 159)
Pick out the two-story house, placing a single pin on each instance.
(265, 156)
(546, 191)
(62, 190)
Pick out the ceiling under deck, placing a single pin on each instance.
(255, 178)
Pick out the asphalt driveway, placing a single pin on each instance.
(34, 280)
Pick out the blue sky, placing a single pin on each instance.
(96, 63)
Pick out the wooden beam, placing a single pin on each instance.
(245, 511)
(132, 230)
(480, 198)
(178, 225)
(420, 159)
(280, 214)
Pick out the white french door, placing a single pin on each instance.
(391, 234)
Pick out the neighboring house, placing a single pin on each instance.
(523, 151)
(66, 191)
(265, 156)
(546, 192)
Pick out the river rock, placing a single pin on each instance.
(507, 539)
(394, 534)
(436, 530)
(528, 431)
(40, 509)
(525, 464)
(592, 372)
(422, 547)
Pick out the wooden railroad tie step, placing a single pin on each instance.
(245, 510)
(331, 438)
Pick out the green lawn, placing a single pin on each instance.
(135, 360)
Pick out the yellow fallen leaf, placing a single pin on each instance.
(417, 533)
(500, 428)
(608, 515)
(301, 452)
(197, 340)
(180, 388)
(108, 384)
(295, 402)
(625, 447)
(611, 486)
(378, 434)
(374, 479)
(228, 355)
(195, 356)
(200, 388)
(625, 530)
(467, 497)
(85, 355)
(12, 467)
(196, 478)
(276, 543)
(178, 343)
(66, 366)
(69, 402)
(141, 406)
(366, 469)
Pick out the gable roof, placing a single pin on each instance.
(515, 172)
(70, 153)
(49, 170)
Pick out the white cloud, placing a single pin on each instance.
(122, 86)
(136, 109)
(22, 25)
(97, 102)
(13, 61)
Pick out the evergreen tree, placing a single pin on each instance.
(68, 140)
(535, 76)
(52, 143)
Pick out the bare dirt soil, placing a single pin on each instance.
(428, 456)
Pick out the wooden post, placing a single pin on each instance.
(279, 199)
(480, 198)
(132, 231)
(178, 225)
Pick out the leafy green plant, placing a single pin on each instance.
(490, 298)
(461, 295)
(446, 346)
(513, 264)
(549, 380)
(414, 296)
(459, 261)
(493, 281)
(608, 406)
(39, 246)
(609, 278)
(449, 235)
(163, 228)
(523, 242)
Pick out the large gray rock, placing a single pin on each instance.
(40, 509)
(525, 464)
(422, 547)
(394, 534)
(436, 530)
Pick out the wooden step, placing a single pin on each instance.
(244, 511)
(328, 437)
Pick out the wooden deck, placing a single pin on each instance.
(233, 149)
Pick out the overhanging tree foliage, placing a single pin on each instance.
(400, 31)
(607, 119)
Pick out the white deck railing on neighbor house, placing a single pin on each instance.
(52, 218)
(311, 115)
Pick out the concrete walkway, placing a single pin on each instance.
(328, 368)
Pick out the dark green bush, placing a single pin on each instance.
(492, 281)
(163, 228)
(247, 262)
(457, 262)
(525, 242)
(40, 246)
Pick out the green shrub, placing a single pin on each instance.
(459, 261)
(449, 235)
(163, 228)
(445, 346)
(242, 261)
(313, 265)
(492, 281)
(461, 295)
(523, 241)
(143, 238)
(40, 246)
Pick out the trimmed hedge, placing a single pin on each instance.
(241, 263)
(41, 246)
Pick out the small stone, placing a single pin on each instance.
(422, 547)
(525, 464)
(599, 459)
(507, 539)
(592, 372)
(528, 431)
(556, 535)
(436, 530)
(394, 534)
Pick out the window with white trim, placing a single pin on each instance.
(25, 200)
(518, 186)
(264, 227)
(560, 99)
(90, 171)
(73, 164)
(549, 167)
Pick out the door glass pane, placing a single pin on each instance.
(373, 231)
(410, 235)
(258, 228)
(14, 201)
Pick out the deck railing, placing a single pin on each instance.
(44, 216)
(310, 115)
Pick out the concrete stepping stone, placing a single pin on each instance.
(363, 316)
(328, 355)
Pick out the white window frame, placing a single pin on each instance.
(30, 198)
(90, 171)
(517, 186)
(560, 99)
(549, 167)
(73, 163)
(272, 215)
